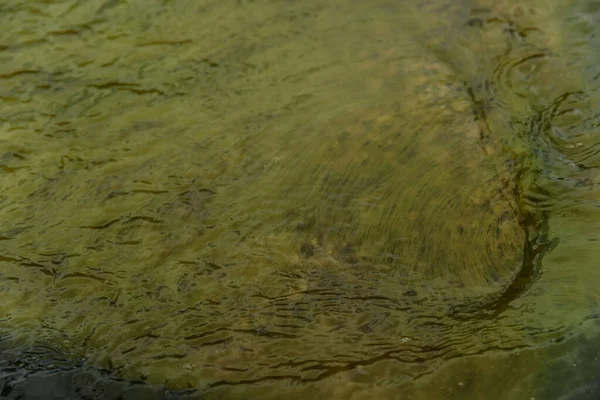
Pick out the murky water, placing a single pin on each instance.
(273, 199)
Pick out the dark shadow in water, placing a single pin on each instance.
(25, 378)
(533, 223)
(572, 375)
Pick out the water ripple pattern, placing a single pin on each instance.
(343, 198)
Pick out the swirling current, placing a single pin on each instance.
(267, 199)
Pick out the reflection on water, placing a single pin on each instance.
(340, 199)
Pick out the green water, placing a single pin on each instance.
(304, 199)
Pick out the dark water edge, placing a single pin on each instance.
(574, 374)
(24, 377)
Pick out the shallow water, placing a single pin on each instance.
(268, 199)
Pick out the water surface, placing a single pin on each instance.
(268, 199)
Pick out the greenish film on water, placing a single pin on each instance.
(277, 199)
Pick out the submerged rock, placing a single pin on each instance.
(335, 202)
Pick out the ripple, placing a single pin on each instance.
(348, 194)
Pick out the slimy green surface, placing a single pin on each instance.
(303, 199)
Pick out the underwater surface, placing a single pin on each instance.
(268, 199)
